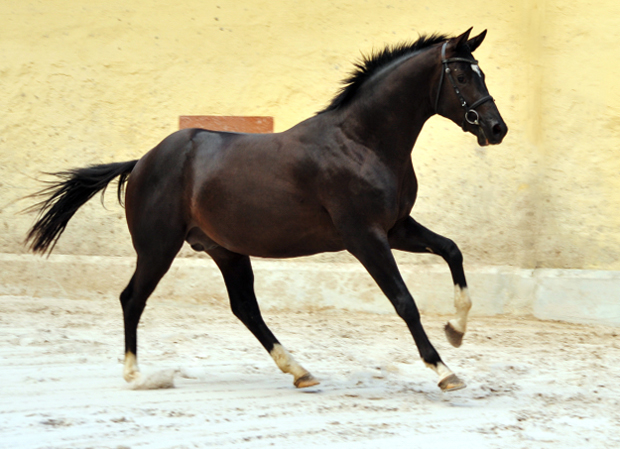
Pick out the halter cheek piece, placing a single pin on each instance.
(471, 115)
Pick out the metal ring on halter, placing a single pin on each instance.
(476, 120)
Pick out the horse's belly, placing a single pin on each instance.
(276, 242)
(283, 230)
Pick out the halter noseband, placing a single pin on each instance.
(471, 115)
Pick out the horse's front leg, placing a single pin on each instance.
(372, 249)
(411, 236)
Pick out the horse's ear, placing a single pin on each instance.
(475, 42)
(462, 39)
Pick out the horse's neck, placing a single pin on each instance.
(395, 107)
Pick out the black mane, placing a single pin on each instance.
(371, 64)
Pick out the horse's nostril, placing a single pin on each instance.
(497, 129)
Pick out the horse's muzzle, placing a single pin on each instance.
(491, 132)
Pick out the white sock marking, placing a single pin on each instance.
(286, 362)
(441, 369)
(130, 370)
(152, 381)
(462, 303)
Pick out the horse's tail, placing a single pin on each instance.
(64, 197)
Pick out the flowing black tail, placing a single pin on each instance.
(66, 196)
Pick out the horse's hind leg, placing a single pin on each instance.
(150, 268)
(239, 279)
(413, 237)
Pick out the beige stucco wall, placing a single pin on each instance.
(96, 81)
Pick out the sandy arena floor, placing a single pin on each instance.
(531, 384)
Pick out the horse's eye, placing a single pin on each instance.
(461, 78)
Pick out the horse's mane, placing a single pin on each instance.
(371, 64)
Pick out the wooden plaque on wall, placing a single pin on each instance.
(240, 124)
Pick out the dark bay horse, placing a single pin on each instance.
(340, 180)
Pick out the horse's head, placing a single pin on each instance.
(462, 95)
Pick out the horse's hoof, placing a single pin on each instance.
(133, 376)
(306, 381)
(451, 383)
(454, 337)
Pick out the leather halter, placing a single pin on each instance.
(471, 115)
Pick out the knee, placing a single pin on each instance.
(452, 253)
(125, 297)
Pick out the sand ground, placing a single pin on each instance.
(531, 383)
